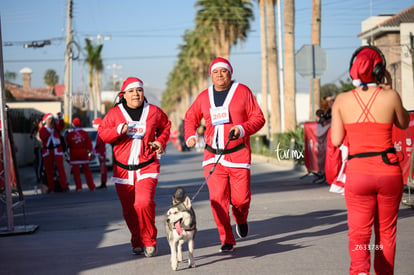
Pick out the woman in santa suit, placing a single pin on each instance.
(374, 184)
(226, 106)
(138, 131)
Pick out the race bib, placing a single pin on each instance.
(136, 130)
(219, 115)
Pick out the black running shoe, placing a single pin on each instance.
(242, 230)
(226, 248)
(138, 250)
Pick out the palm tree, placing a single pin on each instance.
(265, 73)
(219, 25)
(275, 126)
(289, 81)
(196, 53)
(98, 81)
(225, 23)
(95, 65)
(51, 79)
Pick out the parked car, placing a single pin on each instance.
(93, 134)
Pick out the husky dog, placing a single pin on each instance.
(180, 227)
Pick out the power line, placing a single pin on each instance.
(34, 43)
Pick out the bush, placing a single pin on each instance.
(259, 144)
(286, 146)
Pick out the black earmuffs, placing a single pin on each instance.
(379, 69)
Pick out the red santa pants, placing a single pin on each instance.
(49, 168)
(372, 200)
(228, 186)
(138, 208)
(88, 176)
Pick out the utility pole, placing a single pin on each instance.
(281, 70)
(67, 110)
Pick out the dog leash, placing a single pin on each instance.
(230, 138)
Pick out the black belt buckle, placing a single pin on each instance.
(131, 167)
(219, 151)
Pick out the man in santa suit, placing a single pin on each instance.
(100, 153)
(52, 151)
(80, 150)
(138, 131)
(226, 106)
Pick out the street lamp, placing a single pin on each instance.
(99, 38)
(114, 68)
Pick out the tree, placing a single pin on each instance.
(345, 86)
(95, 66)
(289, 81)
(194, 55)
(51, 78)
(219, 25)
(265, 73)
(225, 23)
(272, 64)
(10, 76)
(98, 81)
(9, 96)
(329, 89)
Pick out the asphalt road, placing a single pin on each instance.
(296, 227)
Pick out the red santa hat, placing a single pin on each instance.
(96, 122)
(220, 62)
(129, 83)
(46, 116)
(76, 122)
(363, 64)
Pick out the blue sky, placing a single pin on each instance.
(145, 35)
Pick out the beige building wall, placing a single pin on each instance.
(407, 79)
(396, 46)
(42, 106)
(390, 46)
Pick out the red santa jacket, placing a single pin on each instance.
(80, 145)
(51, 138)
(135, 149)
(243, 111)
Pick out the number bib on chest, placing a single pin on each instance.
(136, 129)
(219, 115)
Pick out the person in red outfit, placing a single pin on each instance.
(226, 106)
(138, 131)
(100, 153)
(52, 151)
(374, 184)
(80, 150)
